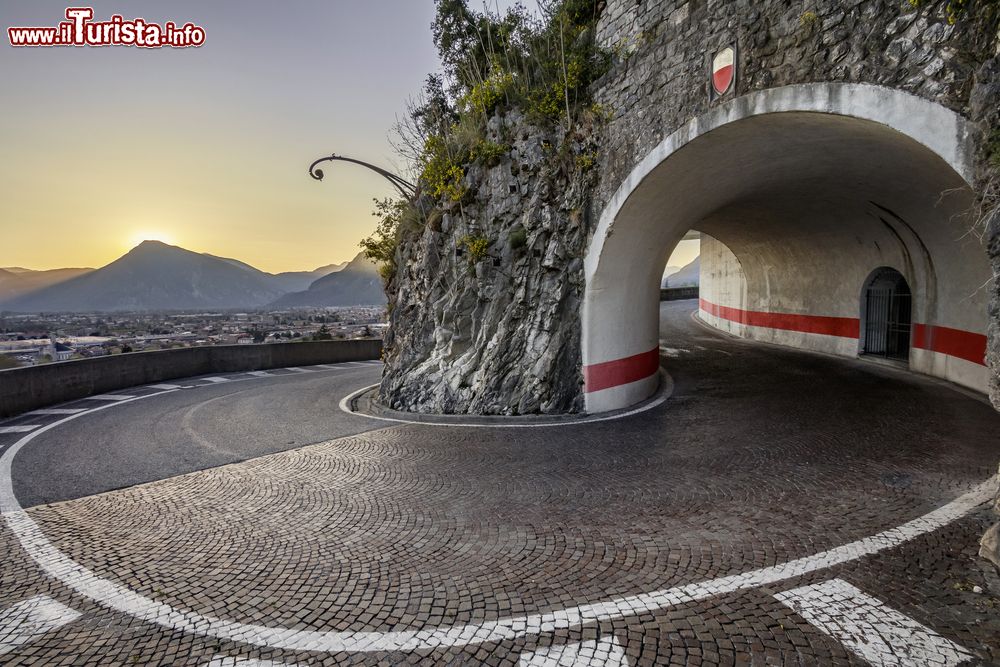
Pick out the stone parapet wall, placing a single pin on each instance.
(24, 389)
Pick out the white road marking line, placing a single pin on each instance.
(20, 428)
(58, 411)
(869, 628)
(29, 618)
(296, 369)
(109, 397)
(329, 367)
(215, 380)
(120, 598)
(665, 392)
(260, 374)
(165, 386)
(605, 651)
(227, 661)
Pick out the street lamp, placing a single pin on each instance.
(406, 189)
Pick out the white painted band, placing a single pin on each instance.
(345, 405)
(122, 599)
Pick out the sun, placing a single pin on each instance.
(149, 235)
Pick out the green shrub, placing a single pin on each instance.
(586, 161)
(518, 238)
(993, 148)
(485, 95)
(441, 173)
(488, 152)
(477, 246)
(380, 247)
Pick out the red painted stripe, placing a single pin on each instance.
(844, 327)
(943, 340)
(953, 342)
(621, 371)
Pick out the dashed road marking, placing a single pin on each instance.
(29, 618)
(296, 369)
(58, 411)
(165, 386)
(215, 380)
(329, 367)
(109, 397)
(260, 374)
(20, 428)
(606, 652)
(869, 628)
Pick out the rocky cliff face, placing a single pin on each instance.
(485, 306)
(986, 109)
(502, 335)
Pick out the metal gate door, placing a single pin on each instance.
(887, 323)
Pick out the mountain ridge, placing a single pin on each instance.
(157, 276)
(357, 284)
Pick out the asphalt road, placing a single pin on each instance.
(209, 425)
(725, 389)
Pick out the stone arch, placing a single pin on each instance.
(793, 180)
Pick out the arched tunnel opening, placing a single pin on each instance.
(820, 231)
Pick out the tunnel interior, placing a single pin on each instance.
(799, 212)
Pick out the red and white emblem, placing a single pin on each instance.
(723, 70)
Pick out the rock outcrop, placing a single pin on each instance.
(485, 306)
(501, 335)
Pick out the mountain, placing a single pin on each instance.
(689, 276)
(667, 272)
(297, 281)
(156, 276)
(16, 281)
(357, 284)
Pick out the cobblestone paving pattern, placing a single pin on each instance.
(762, 455)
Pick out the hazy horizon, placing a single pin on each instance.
(207, 148)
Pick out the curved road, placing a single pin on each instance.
(696, 532)
(206, 424)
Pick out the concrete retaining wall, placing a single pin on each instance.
(24, 389)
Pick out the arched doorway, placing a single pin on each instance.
(809, 186)
(886, 315)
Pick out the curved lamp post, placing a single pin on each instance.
(405, 188)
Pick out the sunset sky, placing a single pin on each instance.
(206, 148)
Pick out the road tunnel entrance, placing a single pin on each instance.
(886, 311)
(802, 194)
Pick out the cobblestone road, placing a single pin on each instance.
(685, 535)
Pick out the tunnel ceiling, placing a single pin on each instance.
(794, 175)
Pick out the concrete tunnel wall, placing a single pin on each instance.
(811, 187)
(747, 303)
